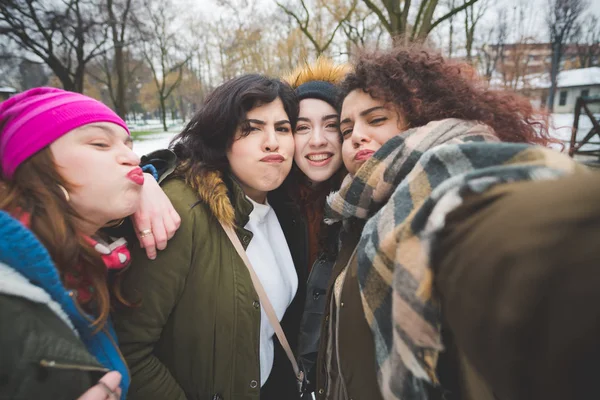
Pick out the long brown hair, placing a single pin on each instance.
(34, 191)
(427, 87)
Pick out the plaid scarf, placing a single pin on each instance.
(404, 191)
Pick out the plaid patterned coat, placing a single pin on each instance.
(404, 191)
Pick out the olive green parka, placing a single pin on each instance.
(195, 334)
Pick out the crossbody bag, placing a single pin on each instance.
(266, 304)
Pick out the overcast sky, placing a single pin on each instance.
(535, 22)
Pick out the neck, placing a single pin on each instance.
(88, 228)
(255, 195)
(313, 184)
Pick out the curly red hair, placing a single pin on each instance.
(426, 87)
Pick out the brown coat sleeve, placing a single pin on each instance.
(518, 273)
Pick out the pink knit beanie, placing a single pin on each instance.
(37, 117)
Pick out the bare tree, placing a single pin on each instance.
(472, 17)
(562, 17)
(9, 65)
(162, 51)
(586, 37)
(118, 20)
(66, 35)
(320, 37)
(394, 16)
(451, 31)
(363, 29)
(491, 52)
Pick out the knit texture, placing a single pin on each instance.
(37, 117)
(397, 191)
(320, 90)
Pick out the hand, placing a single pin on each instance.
(107, 388)
(155, 221)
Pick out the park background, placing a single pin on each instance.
(154, 61)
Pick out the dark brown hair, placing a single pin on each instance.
(34, 191)
(426, 87)
(203, 143)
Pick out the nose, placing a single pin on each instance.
(317, 138)
(270, 144)
(128, 157)
(359, 135)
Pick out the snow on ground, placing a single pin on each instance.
(153, 142)
(144, 144)
(562, 124)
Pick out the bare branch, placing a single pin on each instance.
(380, 15)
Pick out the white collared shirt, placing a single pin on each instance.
(272, 261)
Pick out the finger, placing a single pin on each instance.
(159, 231)
(112, 381)
(141, 223)
(149, 245)
(176, 219)
(96, 392)
(171, 225)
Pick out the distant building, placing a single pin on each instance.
(570, 85)
(522, 59)
(6, 92)
(584, 82)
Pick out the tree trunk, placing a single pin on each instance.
(120, 105)
(163, 112)
(62, 74)
(556, 50)
(79, 78)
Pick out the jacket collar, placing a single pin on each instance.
(22, 251)
(225, 198)
(13, 283)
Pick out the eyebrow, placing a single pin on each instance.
(365, 112)
(282, 122)
(107, 130)
(330, 116)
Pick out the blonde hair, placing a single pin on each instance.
(323, 69)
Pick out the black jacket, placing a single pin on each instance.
(41, 356)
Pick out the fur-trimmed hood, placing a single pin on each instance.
(214, 192)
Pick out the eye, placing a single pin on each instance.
(346, 133)
(284, 129)
(248, 130)
(100, 145)
(378, 120)
(302, 129)
(332, 125)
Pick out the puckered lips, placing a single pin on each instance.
(273, 159)
(136, 175)
(319, 159)
(363, 155)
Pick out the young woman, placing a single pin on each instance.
(67, 171)
(199, 332)
(317, 171)
(421, 137)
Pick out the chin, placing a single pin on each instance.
(320, 177)
(270, 185)
(127, 207)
